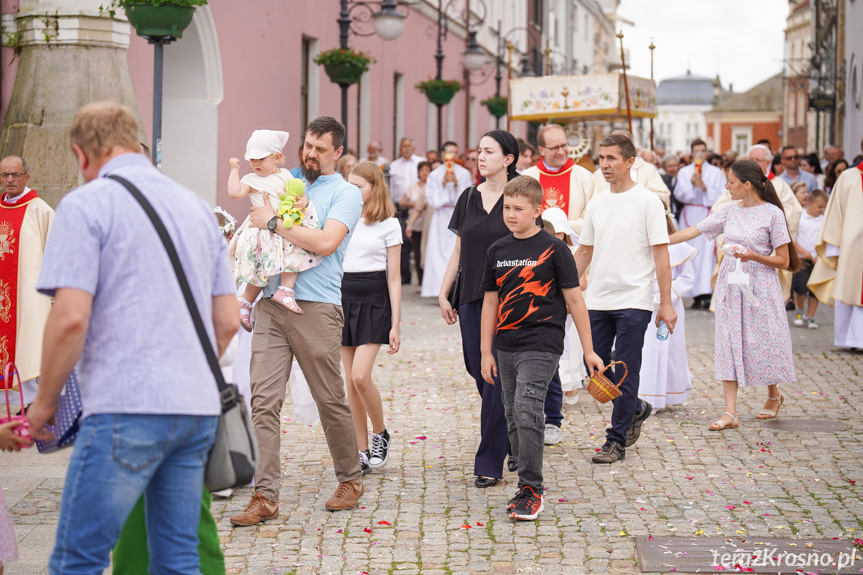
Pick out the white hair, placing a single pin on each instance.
(763, 148)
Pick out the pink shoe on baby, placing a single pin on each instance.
(285, 296)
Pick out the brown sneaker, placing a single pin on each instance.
(259, 509)
(346, 495)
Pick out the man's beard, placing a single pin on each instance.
(312, 173)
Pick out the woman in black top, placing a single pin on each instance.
(478, 222)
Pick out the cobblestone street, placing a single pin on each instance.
(422, 514)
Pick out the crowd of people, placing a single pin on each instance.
(521, 246)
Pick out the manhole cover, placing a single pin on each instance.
(758, 555)
(807, 425)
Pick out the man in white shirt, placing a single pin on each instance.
(641, 172)
(403, 173)
(373, 152)
(444, 185)
(698, 187)
(625, 241)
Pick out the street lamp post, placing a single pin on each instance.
(438, 56)
(158, 43)
(388, 25)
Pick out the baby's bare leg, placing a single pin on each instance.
(288, 279)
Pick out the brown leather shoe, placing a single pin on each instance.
(346, 495)
(259, 509)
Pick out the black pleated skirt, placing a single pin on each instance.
(366, 304)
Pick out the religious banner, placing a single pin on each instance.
(593, 96)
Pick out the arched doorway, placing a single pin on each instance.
(194, 88)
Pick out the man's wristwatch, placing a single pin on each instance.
(271, 225)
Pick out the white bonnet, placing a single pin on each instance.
(264, 143)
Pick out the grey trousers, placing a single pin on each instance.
(524, 379)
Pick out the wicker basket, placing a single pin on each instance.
(603, 389)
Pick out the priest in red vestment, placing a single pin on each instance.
(565, 184)
(24, 223)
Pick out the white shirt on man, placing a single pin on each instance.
(380, 161)
(623, 228)
(367, 251)
(403, 173)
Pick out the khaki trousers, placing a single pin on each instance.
(314, 338)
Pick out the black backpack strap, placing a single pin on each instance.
(212, 360)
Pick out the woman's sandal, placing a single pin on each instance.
(245, 314)
(285, 296)
(719, 425)
(766, 413)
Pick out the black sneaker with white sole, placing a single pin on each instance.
(634, 431)
(364, 462)
(380, 451)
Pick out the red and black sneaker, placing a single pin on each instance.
(510, 505)
(529, 505)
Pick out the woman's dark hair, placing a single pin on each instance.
(830, 177)
(509, 145)
(777, 161)
(749, 171)
(812, 160)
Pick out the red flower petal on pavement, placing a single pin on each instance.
(478, 524)
(690, 478)
(466, 526)
(384, 523)
(730, 507)
(747, 502)
(367, 530)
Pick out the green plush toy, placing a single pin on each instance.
(294, 190)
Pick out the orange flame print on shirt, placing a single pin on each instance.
(529, 289)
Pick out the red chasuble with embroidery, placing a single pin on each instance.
(11, 218)
(555, 186)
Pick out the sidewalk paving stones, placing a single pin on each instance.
(422, 514)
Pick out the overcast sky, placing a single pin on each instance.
(741, 40)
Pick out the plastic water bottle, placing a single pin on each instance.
(662, 331)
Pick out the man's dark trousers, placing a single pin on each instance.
(624, 329)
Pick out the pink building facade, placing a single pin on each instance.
(242, 66)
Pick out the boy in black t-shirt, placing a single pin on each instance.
(530, 279)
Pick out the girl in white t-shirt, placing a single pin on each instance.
(259, 254)
(371, 300)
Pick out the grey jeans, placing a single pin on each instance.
(524, 379)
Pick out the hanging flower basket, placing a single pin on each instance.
(343, 66)
(156, 18)
(496, 105)
(439, 92)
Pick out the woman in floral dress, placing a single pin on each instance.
(753, 343)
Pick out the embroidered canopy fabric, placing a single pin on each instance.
(591, 96)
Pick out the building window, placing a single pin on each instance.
(802, 106)
(741, 138)
(398, 111)
(791, 111)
